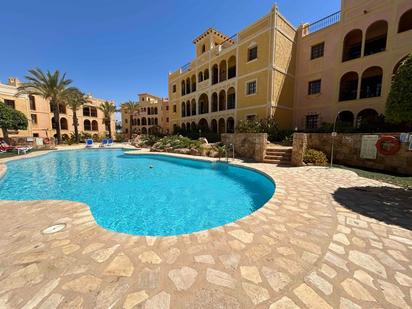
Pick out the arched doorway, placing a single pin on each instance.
(352, 45)
(345, 119)
(222, 126)
(366, 118)
(371, 85)
(230, 127)
(213, 126)
(349, 86)
(376, 35)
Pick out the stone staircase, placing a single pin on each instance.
(279, 155)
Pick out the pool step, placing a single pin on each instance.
(278, 155)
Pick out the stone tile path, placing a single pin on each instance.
(327, 239)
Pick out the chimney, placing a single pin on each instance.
(13, 81)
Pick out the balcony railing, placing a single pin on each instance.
(186, 67)
(323, 23)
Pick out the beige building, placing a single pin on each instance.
(340, 66)
(246, 76)
(345, 62)
(151, 115)
(41, 118)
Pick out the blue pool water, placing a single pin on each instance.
(141, 195)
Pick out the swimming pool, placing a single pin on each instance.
(151, 194)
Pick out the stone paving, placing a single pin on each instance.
(327, 239)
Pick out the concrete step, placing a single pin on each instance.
(277, 162)
(277, 157)
(278, 151)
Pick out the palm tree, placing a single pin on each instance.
(75, 99)
(51, 87)
(132, 108)
(108, 109)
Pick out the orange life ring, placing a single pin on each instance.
(46, 140)
(394, 147)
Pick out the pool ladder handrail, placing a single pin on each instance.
(231, 146)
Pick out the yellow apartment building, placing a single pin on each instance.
(345, 62)
(152, 115)
(245, 76)
(337, 68)
(41, 118)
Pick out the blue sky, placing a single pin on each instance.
(116, 49)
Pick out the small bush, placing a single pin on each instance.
(176, 142)
(148, 140)
(287, 140)
(315, 157)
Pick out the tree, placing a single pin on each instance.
(51, 87)
(132, 108)
(75, 99)
(399, 103)
(108, 109)
(11, 119)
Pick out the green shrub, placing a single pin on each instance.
(287, 140)
(177, 141)
(268, 126)
(315, 157)
(149, 140)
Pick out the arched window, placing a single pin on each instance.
(203, 48)
(144, 130)
(203, 104)
(87, 125)
(222, 100)
(155, 110)
(221, 128)
(193, 83)
(231, 71)
(230, 127)
(376, 36)
(63, 124)
(143, 121)
(371, 85)
(349, 86)
(405, 22)
(183, 87)
(183, 109)
(193, 107)
(215, 74)
(95, 126)
(345, 119)
(188, 108)
(352, 45)
(213, 125)
(200, 77)
(222, 70)
(396, 67)
(231, 98)
(193, 126)
(366, 118)
(138, 122)
(206, 74)
(188, 85)
(188, 127)
(203, 125)
(156, 122)
(214, 102)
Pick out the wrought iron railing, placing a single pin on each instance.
(186, 67)
(324, 22)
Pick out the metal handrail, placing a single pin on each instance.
(324, 22)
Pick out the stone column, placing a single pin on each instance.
(300, 143)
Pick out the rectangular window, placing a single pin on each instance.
(317, 51)
(10, 103)
(33, 119)
(250, 117)
(314, 87)
(86, 111)
(167, 119)
(167, 107)
(174, 108)
(252, 53)
(32, 103)
(174, 88)
(251, 88)
(125, 121)
(35, 134)
(312, 121)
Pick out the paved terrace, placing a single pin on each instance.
(327, 239)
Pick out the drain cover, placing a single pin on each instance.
(54, 228)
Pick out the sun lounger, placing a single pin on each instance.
(109, 142)
(103, 143)
(89, 143)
